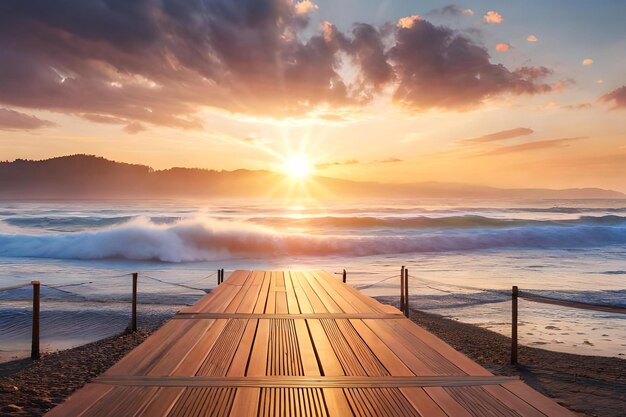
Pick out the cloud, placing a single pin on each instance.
(99, 118)
(532, 38)
(617, 97)
(134, 128)
(531, 146)
(580, 106)
(450, 10)
(503, 47)
(160, 62)
(408, 22)
(439, 68)
(587, 61)
(390, 160)
(337, 163)
(492, 17)
(14, 120)
(501, 135)
(305, 6)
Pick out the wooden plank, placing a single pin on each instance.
(358, 300)
(324, 351)
(246, 403)
(162, 402)
(423, 403)
(544, 404)
(446, 402)
(171, 359)
(388, 358)
(261, 302)
(76, 403)
(197, 355)
(336, 403)
(338, 316)
(244, 350)
(330, 304)
(292, 299)
(371, 303)
(308, 381)
(513, 402)
(406, 355)
(457, 358)
(142, 358)
(313, 299)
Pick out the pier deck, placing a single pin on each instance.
(285, 343)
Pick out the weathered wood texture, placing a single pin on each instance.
(285, 343)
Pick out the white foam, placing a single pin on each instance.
(201, 239)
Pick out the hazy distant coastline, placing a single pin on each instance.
(91, 177)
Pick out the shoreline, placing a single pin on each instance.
(588, 385)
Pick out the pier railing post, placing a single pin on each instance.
(344, 276)
(34, 349)
(219, 276)
(222, 275)
(514, 294)
(133, 320)
(402, 289)
(406, 292)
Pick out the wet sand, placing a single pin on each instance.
(588, 385)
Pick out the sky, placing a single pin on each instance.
(508, 94)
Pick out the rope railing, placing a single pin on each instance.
(36, 298)
(570, 303)
(366, 286)
(15, 287)
(176, 284)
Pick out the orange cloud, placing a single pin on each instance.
(134, 128)
(532, 146)
(492, 17)
(305, 6)
(14, 120)
(408, 22)
(617, 97)
(587, 61)
(468, 12)
(501, 135)
(532, 38)
(503, 47)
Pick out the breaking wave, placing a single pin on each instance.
(196, 239)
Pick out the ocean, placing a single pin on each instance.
(463, 258)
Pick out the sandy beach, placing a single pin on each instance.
(587, 385)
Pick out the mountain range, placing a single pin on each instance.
(92, 177)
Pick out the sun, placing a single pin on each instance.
(298, 167)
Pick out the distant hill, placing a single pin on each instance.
(91, 177)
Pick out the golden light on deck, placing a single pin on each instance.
(297, 167)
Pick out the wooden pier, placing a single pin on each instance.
(285, 343)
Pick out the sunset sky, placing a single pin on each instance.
(502, 93)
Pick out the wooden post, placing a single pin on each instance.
(34, 348)
(402, 289)
(344, 276)
(514, 294)
(133, 320)
(219, 275)
(222, 276)
(406, 292)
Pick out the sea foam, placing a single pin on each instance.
(200, 239)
